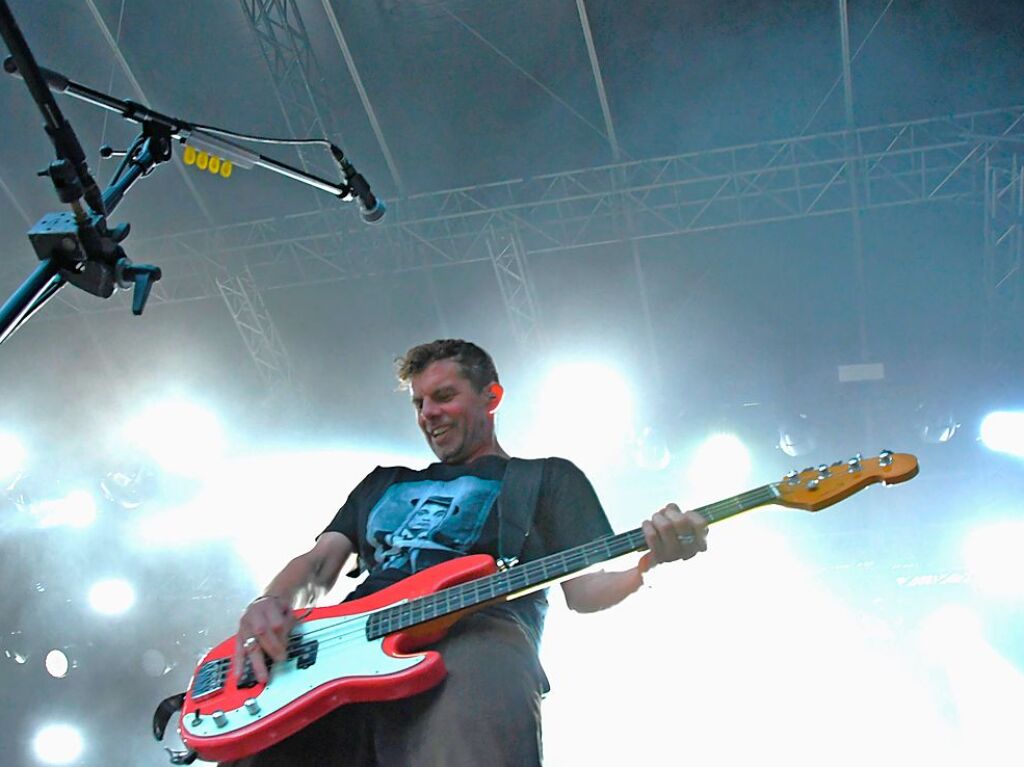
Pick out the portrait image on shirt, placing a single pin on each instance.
(418, 524)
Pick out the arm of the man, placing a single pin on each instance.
(670, 534)
(269, 618)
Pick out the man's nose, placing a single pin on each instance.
(429, 410)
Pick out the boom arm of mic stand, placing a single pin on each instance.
(40, 287)
(188, 133)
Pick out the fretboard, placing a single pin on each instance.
(532, 575)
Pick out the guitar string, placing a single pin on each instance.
(576, 558)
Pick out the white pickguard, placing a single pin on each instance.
(355, 656)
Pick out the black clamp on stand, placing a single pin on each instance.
(86, 252)
(77, 246)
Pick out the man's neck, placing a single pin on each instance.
(492, 448)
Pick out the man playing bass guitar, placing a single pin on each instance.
(399, 521)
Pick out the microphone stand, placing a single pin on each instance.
(78, 247)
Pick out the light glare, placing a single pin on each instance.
(993, 557)
(76, 509)
(720, 466)
(57, 664)
(58, 744)
(112, 596)
(1003, 431)
(12, 457)
(183, 437)
(585, 411)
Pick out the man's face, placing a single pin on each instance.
(453, 416)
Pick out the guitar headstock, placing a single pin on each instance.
(815, 488)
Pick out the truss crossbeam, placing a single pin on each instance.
(900, 164)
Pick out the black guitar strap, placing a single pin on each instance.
(517, 505)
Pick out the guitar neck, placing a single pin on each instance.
(530, 576)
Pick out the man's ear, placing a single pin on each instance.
(495, 393)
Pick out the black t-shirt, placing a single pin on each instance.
(418, 518)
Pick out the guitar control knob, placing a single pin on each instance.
(220, 718)
(252, 706)
(885, 458)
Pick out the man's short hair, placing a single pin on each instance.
(476, 364)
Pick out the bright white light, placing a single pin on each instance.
(993, 557)
(650, 451)
(112, 596)
(57, 664)
(1003, 431)
(311, 484)
(720, 466)
(584, 411)
(58, 744)
(182, 437)
(945, 632)
(12, 457)
(76, 509)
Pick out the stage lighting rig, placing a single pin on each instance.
(79, 246)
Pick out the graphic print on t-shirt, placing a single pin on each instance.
(418, 524)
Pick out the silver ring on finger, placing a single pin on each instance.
(250, 644)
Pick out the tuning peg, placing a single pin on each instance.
(812, 485)
(885, 458)
(792, 477)
(854, 464)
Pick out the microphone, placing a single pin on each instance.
(372, 208)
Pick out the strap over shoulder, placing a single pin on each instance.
(517, 504)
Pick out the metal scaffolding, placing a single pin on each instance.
(901, 164)
(258, 330)
(516, 287)
(1004, 259)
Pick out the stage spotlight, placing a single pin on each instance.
(154, 663)
(14, 648)
(12, 457)
(1003, 431)
(721, 465)
(129, 485)
(182, 437)
(585, 410)
(57, 664)
(650, 451)
(798, 436)
(935, 425)
(993, 557)
(58, 744)
(76, 509)
(112, 596)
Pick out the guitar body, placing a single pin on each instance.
(331, 662)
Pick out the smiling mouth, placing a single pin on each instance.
(440, 431)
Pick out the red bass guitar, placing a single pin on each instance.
(367, 649)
